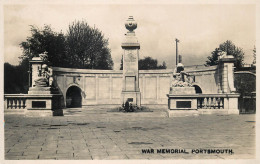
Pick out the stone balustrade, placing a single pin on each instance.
(210, 101)
(15, 101)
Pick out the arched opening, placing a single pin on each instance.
(197, 89)
(73, 97)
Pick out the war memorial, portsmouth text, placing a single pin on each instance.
(184, 151)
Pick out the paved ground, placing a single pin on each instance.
(94, 133)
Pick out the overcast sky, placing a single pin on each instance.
(200, 28)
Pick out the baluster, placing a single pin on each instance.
(205, 102)
(221, 103)
(214, 102)
(198, 103)
(217, 103)
(209, 103)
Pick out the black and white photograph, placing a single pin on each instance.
(114, 80)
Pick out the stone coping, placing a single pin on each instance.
(30, 95)
(182, 95)
(96, 71)
(227, 95)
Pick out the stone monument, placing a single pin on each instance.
(43, 98)
(182, 97)
(130, 89)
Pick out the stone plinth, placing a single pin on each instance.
(132, 97)
(182, 101)
(39, 90)
(44, 104)
(182, 90)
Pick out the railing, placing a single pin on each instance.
(15, 101)
(210, 102)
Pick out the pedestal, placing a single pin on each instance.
(182, 101)
(131, 97)
(42, 102)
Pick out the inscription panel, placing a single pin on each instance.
(183, 104)
(38, 104)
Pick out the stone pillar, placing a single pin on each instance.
(36, 64)
(130, 88)
(227, 66)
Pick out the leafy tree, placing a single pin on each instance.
(231, 49)
(254, 55)
(81, 47)
(15, 78)
(86, 47)
(147, 63)
(150, 63)
(42, 40)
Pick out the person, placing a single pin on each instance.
(127, 106)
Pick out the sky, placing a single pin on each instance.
(199, 27)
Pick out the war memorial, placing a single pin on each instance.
(200, 90)
(203, 93)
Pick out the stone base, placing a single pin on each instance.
(39, 90)
(182, 102)
(15, 111)
(213, 111)
(182, 98)
(135, 96)
(44, 105)
(182, 113)
(182, 90)
(218, 111)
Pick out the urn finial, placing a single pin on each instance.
(131, 24)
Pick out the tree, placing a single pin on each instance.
(150, 63)
(147, 63)
(42, 40)
(254, 55)
(81, 47)
(231, 49)
(86, 47)
(15, 80)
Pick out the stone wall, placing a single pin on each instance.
(105, 86)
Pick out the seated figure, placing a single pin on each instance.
(44, 77)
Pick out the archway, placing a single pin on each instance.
(197, 89)
(73, 97)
